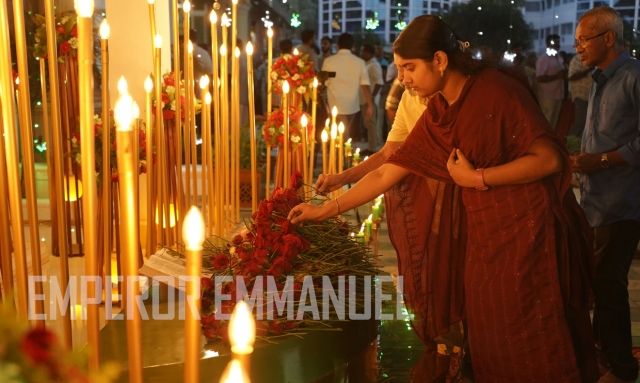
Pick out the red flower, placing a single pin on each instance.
(168, 114)
(279, 266)
(38, 345)
(237, 239)
(74, 32)
(60, 29)
(165, 98)
(205, 303)
(295, 181)
(276, 328)
(65, 47)
(210, 333)
(206, 284)
(168, 81)
(262, 328)
(221, 261)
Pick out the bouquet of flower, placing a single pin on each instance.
(273, 128)
(297, 70)
(66, 35)
(169, 97)
(35, 356)
(113, 160)
(292, 256)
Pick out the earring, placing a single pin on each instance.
(441, 72)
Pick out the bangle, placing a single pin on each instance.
(480, 185)
(338, 205)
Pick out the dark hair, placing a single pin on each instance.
(425, 35)
(345, 41)
(369, 48)
(555, 38)
(286, 46)
(328, 39)
(306, 35)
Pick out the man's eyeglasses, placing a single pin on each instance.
(582, 42)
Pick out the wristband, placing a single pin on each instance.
(480, 185)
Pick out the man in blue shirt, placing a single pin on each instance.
(609, 168)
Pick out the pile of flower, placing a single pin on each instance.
(34, 355)
(273, 128)
(169, 97)
(272, 248)
(297, 70)
(66, 35)
(75, 153)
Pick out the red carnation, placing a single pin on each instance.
(168, 114)
(262, 328)
(221, 261)
(296, 180)
(65, 47)
(38, 345)
(206, 284)
(74, 32)
(210, 333)
(165, 98)
(168, 81)
(60, 29)
(276, 328)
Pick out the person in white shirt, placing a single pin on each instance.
(374, 70)
(342, 90)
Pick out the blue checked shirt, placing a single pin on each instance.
(613, 123)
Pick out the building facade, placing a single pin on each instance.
(546, 17)
(385, 18)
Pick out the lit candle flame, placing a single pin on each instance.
(17, 80)
(123, 112)
(242, 329)
(225, 19)
(334, 131)
(326, 123)
(207, 98)
(235, 2)
(123, 88)
(234, 373)
(362, 228)
(304, 121)
(223, 50)
(315, 82)
(190, 47)
(84, 8)
(186, 6)
(270, 32)
(295, 52)
(151, 2)
(285, 87)
(157, 41)
(213, 17)
(349, 140)
(193, 230)
(334, 111)
(204, 82)
(341, 127)
(370, 217)
(358, 150)
(105, 29)
(325, 136)
(148, 84)
(237, 52)
(249, 49)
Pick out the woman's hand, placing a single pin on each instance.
(307, 212)
(461, 170)
(327, 183)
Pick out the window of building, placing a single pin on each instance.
(354, 4)
(425, 4)
(583, 6)
(445, 7)
(325, 28)
(353, 26)
(567, 1)
(556, 29)
(337, 5)
(547, 32)
(400, 3)
(566, 28)
(534, 34)
(557, 2)
(549, 3)
(354, 14)
(435, 5)
(532, 6)
(599, 3)
(325, 7)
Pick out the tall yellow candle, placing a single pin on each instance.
(207, 181)
(304, 122)
(252, 129)
(325, 138)
(285, 143)
(105, 31)
(128, 220)
(186, 8)
(26, 137)
(10, 144)
(179, 197)
(312, 140)
(333, 134)
(205, 131)
(215, 80)
(58, 160)
(151, 206)
(84, 9)
(225, 200)
(193, 233)
(242, 333)
(340, 147)
(235, 129)
(163, 204)
(152, 21)
(269, 82)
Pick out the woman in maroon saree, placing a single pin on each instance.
(527, 269)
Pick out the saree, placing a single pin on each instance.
(528, 260)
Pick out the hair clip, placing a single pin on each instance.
(463, 45)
